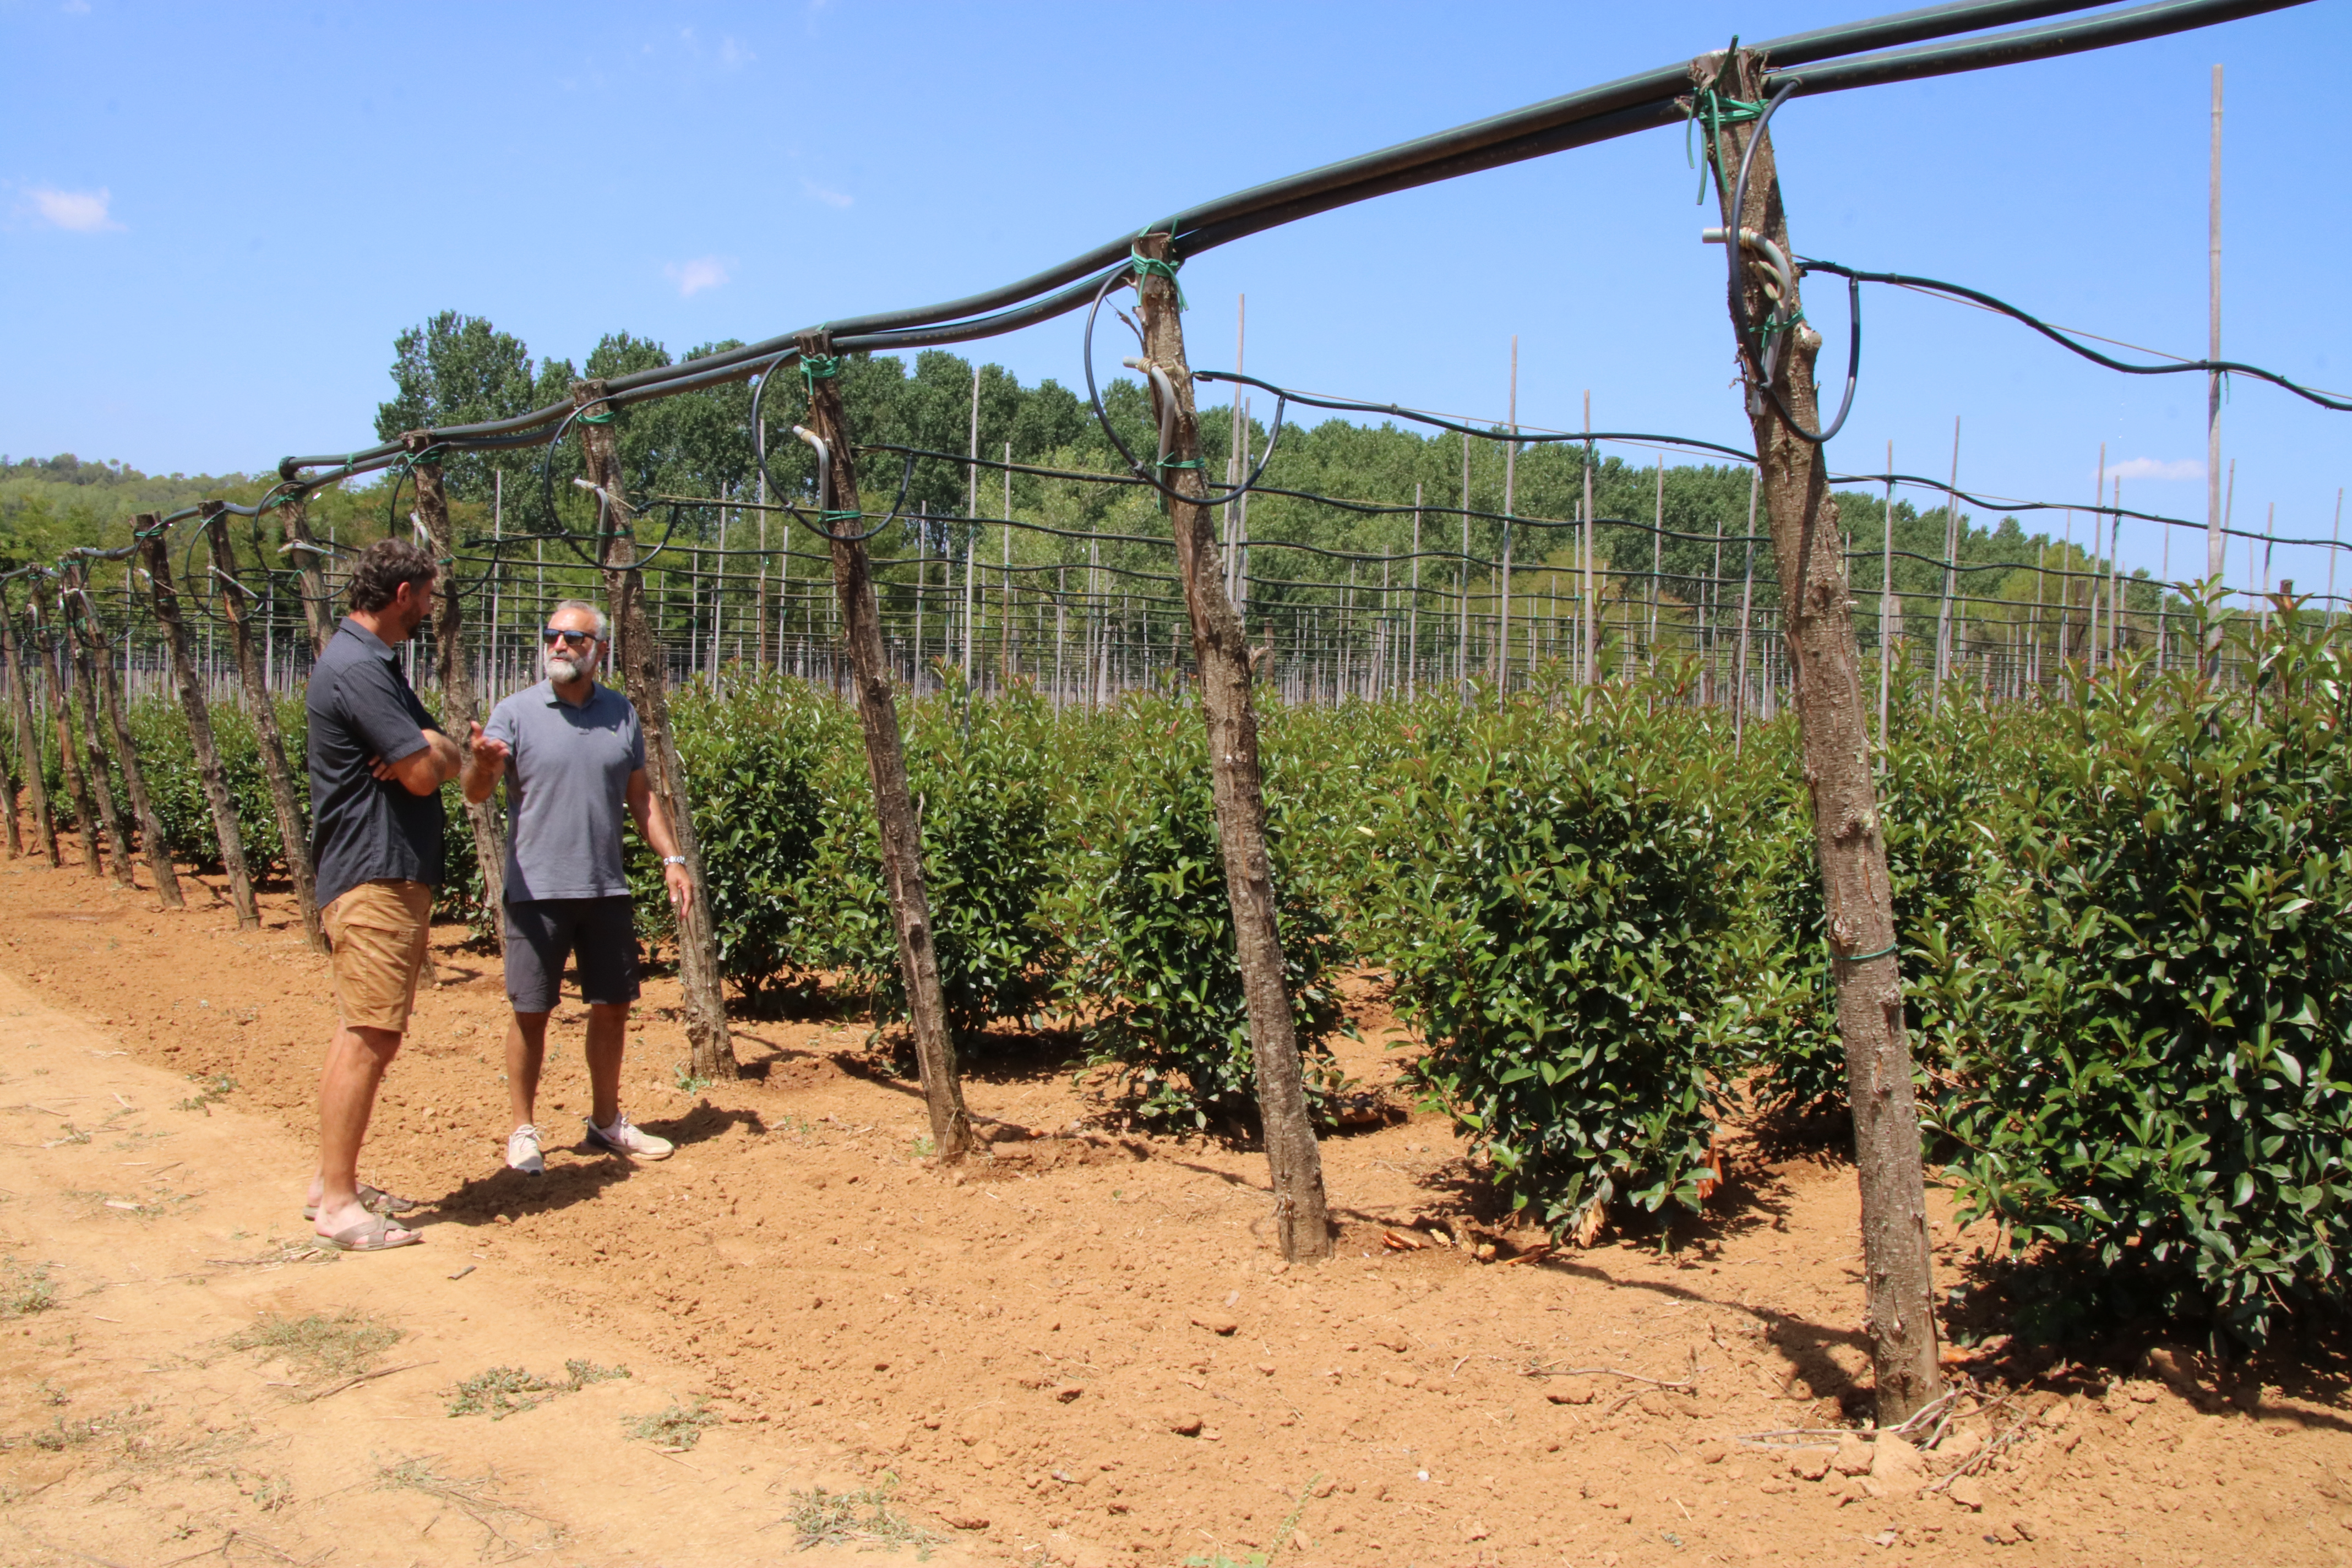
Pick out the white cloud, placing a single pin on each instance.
(734, 54)
(704, 273)
(2156, 468)
(81, 212)
(829, 197)
(76, 7)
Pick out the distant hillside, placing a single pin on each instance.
(96, 494)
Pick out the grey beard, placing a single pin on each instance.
(562, 671)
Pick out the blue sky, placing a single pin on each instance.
(214, 219)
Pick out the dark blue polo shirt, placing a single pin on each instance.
(363, 829)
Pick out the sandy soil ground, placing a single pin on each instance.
(1083, 1350)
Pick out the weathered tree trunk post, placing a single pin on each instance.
(458, 702)
(60, 672)
(236, 610)
(75, 657)
(1825, 666)
(156, 552)
(29, 735)
(1221, 650)
(637, 656)
(886, 760)
(310, 569)
(107, 683)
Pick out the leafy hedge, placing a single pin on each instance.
(1551, 915)
(1148, 927)
(2123, 919)
(2145, 1019)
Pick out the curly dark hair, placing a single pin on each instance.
(383, 567)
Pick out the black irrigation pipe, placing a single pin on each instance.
(2063, 338)
(1649, 99)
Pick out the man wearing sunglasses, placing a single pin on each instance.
(572, 757)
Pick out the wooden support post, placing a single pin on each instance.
(637, 656)
(106, 681)
(59, 667)
(886, 760)
(458, 707)
(29, 735)
(1221, 652)
(156, 554)
(73, 659)
(309, 562)
(1825, 666)
(235, 608)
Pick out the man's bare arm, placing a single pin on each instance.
(423, 772)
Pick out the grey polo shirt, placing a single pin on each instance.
(567, 791)
(362, 828)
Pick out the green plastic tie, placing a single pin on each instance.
(830, 518)
(819, 367)
(1866, 957)
(603, 418)
(1152, 267)
(1719, 111)
(1179, 463)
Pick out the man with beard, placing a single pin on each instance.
(572, 755)
(377, 764)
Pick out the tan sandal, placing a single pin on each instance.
(372, 1234)
(375, 1200)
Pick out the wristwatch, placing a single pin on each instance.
(673, 859)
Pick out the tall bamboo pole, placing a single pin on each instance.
(2213, 503)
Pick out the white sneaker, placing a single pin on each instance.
(624, 1138)
(522, 1152)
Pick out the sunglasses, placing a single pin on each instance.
(554, 635)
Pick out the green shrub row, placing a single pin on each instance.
(2123, 920)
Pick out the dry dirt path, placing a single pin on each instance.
(1080, 1352)
(137, 1433)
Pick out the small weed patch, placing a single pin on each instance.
(319, 1345)
(820, 1518)
(504, 1390)
(676, 1427)
(24, 1291)
(213, 1089)
(686, 1082)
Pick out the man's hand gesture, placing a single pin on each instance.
(485, 763)
(490, 755)
(681, 887)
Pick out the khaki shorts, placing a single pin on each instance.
(379, 931)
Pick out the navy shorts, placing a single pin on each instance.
(598, 934)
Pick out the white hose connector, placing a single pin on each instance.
(823, 461)
(1773, 257)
